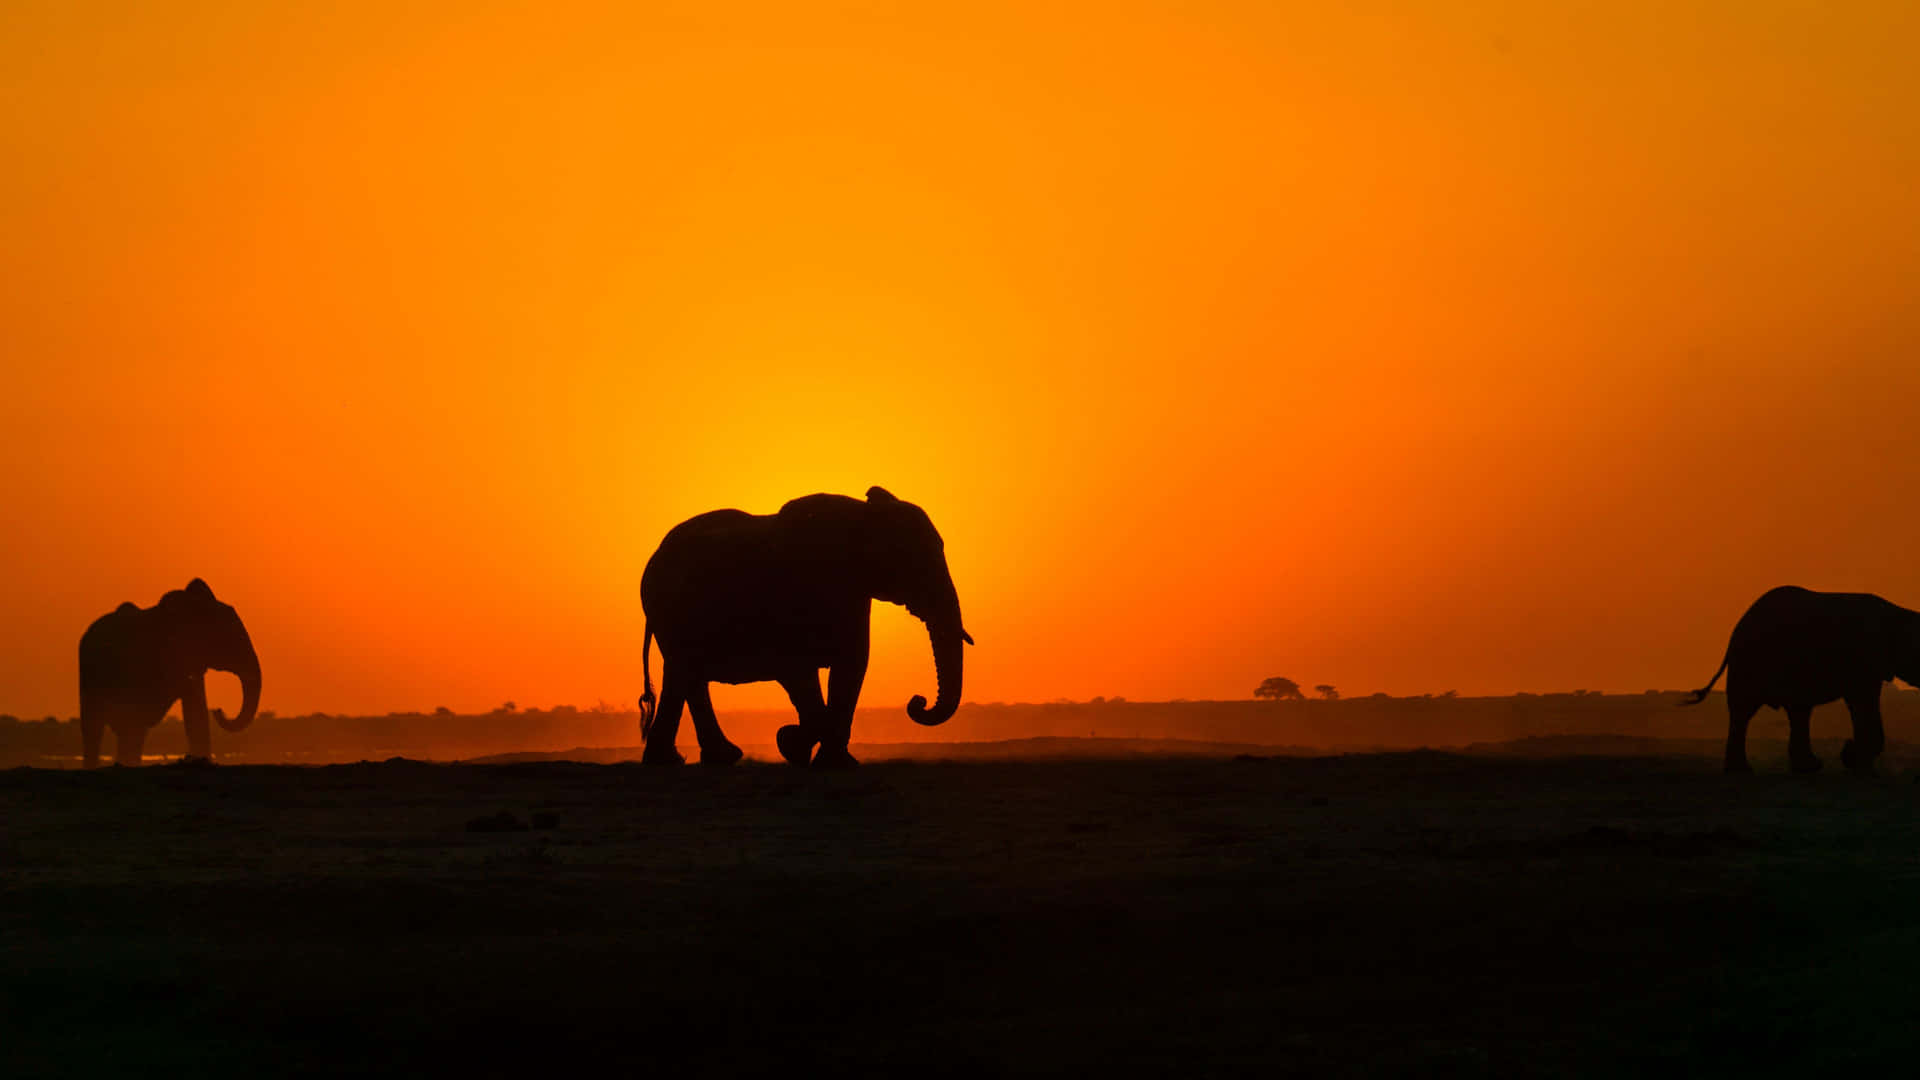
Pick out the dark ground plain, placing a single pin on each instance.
(1417, 913)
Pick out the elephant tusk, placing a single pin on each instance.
(966, 637)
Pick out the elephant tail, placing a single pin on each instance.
(646, 675)
(1700, 695)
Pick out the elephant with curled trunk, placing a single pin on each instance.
(136, 662)
(736, 598)
(1795, 649)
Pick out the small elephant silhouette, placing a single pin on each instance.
(736, 597)
(136, 662)
(1795, 649)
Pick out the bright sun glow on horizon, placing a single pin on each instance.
(1477, 346)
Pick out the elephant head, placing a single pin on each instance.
(904, 562)
(206, 633)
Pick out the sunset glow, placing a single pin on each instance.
(1474, 346)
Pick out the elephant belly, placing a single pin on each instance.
(1788, 684)
(156, 695)
(755, 654)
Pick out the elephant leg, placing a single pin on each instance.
(843, 693)
(129, 735)
(1739, 712)
(1800, 739)
(193, 710)
(666, 724)
(796, 741)
(715, 749)
(1869, 737)
(92, 725)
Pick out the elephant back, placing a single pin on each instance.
(112, 648)
(699, 552)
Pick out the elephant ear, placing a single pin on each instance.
(878, 494)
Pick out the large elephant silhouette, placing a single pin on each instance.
(736, 597)
(136, 662)
(1795, 649)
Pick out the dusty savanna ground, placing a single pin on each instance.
(1417, 912)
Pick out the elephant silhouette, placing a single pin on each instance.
(736, 598)
(136, 662)
(1795, 649)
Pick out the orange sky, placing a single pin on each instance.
(1484, 346)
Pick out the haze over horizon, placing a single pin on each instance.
(1470, 346)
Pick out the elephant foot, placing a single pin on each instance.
(835, 758)
(722, 755)
(794, 743)
(1807, 766)
(665, 755)
(1856, 759)
(1739, 767)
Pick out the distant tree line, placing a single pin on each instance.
(1279, 688)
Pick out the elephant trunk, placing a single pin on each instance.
(249, 672)
(947, 637)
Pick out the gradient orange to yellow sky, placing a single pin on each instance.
(1406, 347)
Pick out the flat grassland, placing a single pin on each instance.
(1404, 912)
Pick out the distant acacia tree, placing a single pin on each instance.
(1279, 689)
(1450, 695)
(1327, 691)
(443, 711)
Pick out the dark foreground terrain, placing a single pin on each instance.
(1422, 913)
